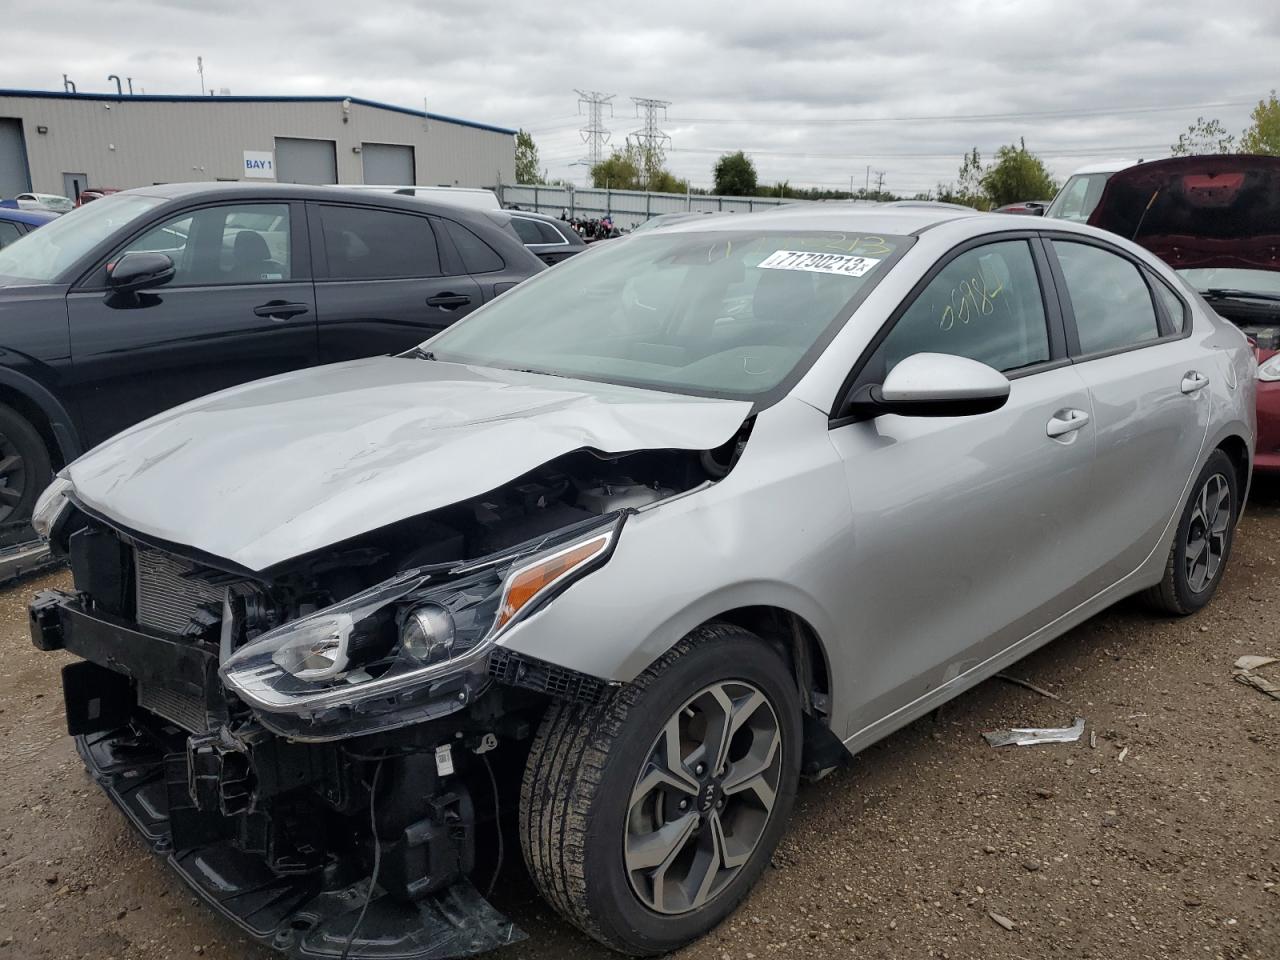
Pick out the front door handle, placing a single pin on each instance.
(1066, 421)
(448, 301)
(280, 309)
(1194, 380)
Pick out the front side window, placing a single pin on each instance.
(365, 244)
(236, 243)
(1109, 298)
(9, 232)
(730, 314)
(985, 305)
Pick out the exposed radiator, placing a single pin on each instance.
(167, 595)
(175, 706)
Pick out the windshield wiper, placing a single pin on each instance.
(1230, 293)
(417, 353)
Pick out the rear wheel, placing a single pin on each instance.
(25, 468)
(1202, 543)
(645, 820)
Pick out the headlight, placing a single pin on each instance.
(49, 506)
(1270, 370)
(417, 627)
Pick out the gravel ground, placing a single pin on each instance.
(1168, 850)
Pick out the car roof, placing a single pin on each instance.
(880, 218)
(1105, 166)
(33, 217)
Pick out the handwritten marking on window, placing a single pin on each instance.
(973, 298)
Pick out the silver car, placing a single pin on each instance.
(624, 554)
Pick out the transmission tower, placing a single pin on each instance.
(594, 134)
(651, 141)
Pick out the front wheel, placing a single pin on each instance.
(645, 820)
(1202, 542)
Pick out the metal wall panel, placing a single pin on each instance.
(306, 161)
(388, 163)
(14, 178)
(137, 141)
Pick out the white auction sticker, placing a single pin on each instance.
(444, 760)
(841, 264)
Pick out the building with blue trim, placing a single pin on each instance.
(53, 142)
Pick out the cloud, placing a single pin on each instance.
(815, 92)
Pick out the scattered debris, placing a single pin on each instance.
(1029, 685)
(1001, 920)
(1243, 672)
(1029, 736)
(1123, 753)
(1093, 739)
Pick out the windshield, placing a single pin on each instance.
(41, 256)
(1078, 196)
(1232, 278)
(721, 314)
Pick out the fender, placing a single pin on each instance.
(60, 421)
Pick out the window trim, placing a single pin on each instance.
(1163, 322)
(321, 272)
(1055, 329)
(94, 280)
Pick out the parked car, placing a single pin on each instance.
(654, 528)
(17, 223)
(550, 240)
(1030, 208)
(43, 201)
(1080, 194)
(667, 219)
(1216, 220)
(151, 297)
(90, 194)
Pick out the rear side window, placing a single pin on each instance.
(477, 256)
(9, 232)
(985, 305)
(527, 230)
(364, 244)
(1174, 307)
(1109, 298)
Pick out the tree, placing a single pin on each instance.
(620, 171)
(1263, 136)
(527, 159)
(1017, 174)
(735, 175)
(1203, 136)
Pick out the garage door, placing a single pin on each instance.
(306, 161)
(14, 176)
(388, 163)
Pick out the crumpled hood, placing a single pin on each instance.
(1208, 211)
(271, 470)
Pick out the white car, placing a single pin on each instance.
(44, 201)
(1083, 189)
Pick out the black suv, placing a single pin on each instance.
(151, 297)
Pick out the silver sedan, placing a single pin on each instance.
(723, 503)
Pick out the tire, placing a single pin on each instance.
(1188, 584)
(581, 825)
(25, 468)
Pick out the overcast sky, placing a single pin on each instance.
(815, 93)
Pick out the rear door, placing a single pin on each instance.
(1129, 334)
(239, 307)
(380, 284)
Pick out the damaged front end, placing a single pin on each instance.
(320, 749)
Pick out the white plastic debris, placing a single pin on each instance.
(1029, 736)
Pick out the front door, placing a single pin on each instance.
(1148, 381)
(239, 307)
(380, 286)
(967, 530)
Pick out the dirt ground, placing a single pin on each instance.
(1171, 850)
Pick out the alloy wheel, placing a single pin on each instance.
(703, 798)
(1207, 533)
(13, 477)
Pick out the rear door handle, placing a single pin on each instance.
(1066, 421)
(1194, 380)
(280, 310)
(448, 301)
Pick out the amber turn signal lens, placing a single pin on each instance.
(527, 583)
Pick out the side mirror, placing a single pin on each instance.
(933, 385)
(140, 271)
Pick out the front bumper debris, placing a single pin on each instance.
(184, 793)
